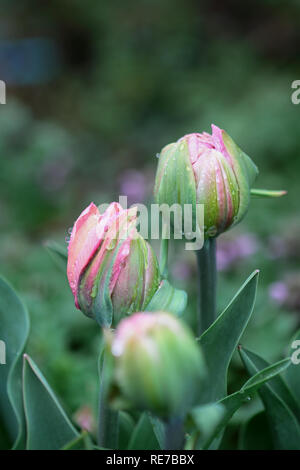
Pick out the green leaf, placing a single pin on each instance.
(233, 402)
(159, 429)
(48, 427)
(206, 418)
(283, 423)
(168, 299)
(256, 433)
(221, 339)
(82, 442)
(143, 437)
(292, 375)
(126, 427)
(5, 441)
(277, 384)
(267, 193)
(14, 329)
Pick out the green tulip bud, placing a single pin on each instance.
(210, 170)
(158, 364)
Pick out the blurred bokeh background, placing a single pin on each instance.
(94, 90)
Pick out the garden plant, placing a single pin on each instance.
(161, 384)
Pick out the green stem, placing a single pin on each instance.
(108, 424)
(174, 434)
(207, 274)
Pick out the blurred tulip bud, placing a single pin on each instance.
(158, 364)
(210, 170)
(112, 270)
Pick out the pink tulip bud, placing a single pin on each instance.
(210, 170)
(112, 270)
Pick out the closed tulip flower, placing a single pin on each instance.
(158, 364)
(112, 270)
(210, 170)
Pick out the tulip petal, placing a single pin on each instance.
(217, 136)
(88, 232)
(97, 282)
(83, 243)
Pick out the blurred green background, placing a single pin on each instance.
(94, 90)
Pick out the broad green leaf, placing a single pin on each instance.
(222, 337)
(168, 299)
(48, 427)
(284, 427)
(233, 402)
(5, 441)
(143, 437)
(292, 375)
(256, 433)
(14, 329)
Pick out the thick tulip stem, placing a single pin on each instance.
(174, 434)
(207, 274)
(108, 424)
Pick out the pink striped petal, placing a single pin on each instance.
(83, 243)
(88, 232)
(120, 221)
(217, 136)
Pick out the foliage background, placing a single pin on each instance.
(94, 90)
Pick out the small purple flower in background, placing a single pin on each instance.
(286, 293)
(133, 185)
(181, 271)
(278, 291)
(231, 251)
(226, 256)
(246, 245)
